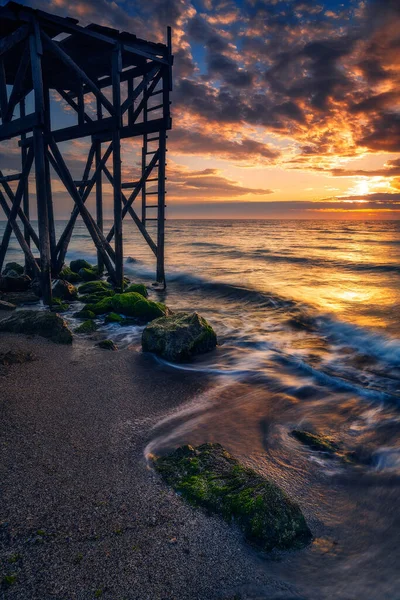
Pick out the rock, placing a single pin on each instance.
(322, 443)
(58, 305)
(89, 274)
(95, 298)
(179, 337)
(132, 304)
(126, 281)
(32, 322)
(113, 317)
(209, 476)
(68, 275)
(88, 326)
(18, 298)
(130, 259)
(315, 441)
(93, 287)
(137, 287)
(7, 305)
(84, 314)
(13, 282)
(13, 266)
(107, 345)
(64, 290)
(15, 358)
(77, 265)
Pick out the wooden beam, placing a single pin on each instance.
(99, 186)
(80, 73)
(13, 39)
(18, 91)
(18, 126)
(72, 103)
(161, 210)
(132, 95)
(100, 242)
(3, 91)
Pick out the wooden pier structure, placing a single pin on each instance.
(117, 87)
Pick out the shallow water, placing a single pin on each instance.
(307, 319)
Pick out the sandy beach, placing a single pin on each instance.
(82, 515)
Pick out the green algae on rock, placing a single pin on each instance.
(113, 317)
(140, 288)
(314, 441)
(130, 304)
(322, 443)
(80, 263)
(31, 322)
(64, 290)
(107, 345)
(88, 326)
(13, 266)
(93, 287)
(57, 305)
(209, 476)
(179, 337)
(89, 274)
(68, 275)
(84, 314)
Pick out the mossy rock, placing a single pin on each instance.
(57, 305)
(64, 290)
(32, 322)
(139, 288)
(88, 326)
(209, 476)
(89, 274)
(179, 337)
(113, 317)
(107, 345)
(322, 443)
(84, 314)
(68, 275)
(94, 287)
(13, 266)
(101, 307)
(80, 263)
(132, 304)
(94, 298)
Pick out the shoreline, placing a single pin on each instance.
(82, 514)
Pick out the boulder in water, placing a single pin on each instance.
(94, 287)
(209, 476)
(139, 288)
(113, 317)
(107, 345)
(89, 274)
(84, 314)
(88, 326)
(64, 290)
(179, 337)
(18, 298)
(80, 263)
(133, 304)
(32, 322)
(69, 275)
(13, 266)
(13, 282)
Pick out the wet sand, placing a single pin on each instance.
(81, 514)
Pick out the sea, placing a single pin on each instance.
(307, 318)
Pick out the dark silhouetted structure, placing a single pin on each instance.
(117, 86)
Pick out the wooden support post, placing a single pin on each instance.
(3, 92)
(116, 141)
(50, 209)
(40, 167)
(161, 210)
(25, 199)
(99, 188)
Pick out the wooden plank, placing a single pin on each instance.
(72, 103)
(132, 95)
(80, 73)
(3, 91)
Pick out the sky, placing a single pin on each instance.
(281, 109)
